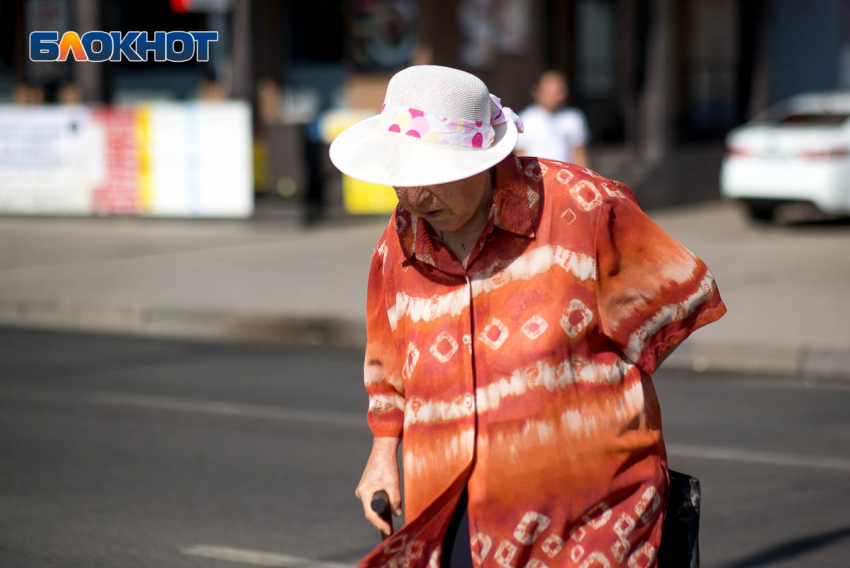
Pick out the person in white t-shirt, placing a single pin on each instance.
(550, 129)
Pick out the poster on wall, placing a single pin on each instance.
(159, 160)
(512, 22)
(478, 33)
(491, 27)
(45, 164)
(384, 34)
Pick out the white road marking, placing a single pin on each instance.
(828, 385)
(229, 408)
(257, 558)
(344, 419)
(759, 457)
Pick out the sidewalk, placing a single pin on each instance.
(785, 287)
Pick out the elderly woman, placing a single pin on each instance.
(517, 308)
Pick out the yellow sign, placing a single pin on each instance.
(143, 139)
(364, 198)
(358, 197)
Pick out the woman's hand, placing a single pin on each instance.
(381, 473)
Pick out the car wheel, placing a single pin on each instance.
(760, 212)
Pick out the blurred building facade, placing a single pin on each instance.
(649, 74)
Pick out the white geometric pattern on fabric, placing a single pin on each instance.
(577, 533)
(642, 557)
(536, 170)
(434, 561)
(569, 216)
(569, 322)
(620, 549)
(613, 192)
(600, 521)
(649, 500)
(494, 334)
(552, 545)
(531, 263)
(485, 541)
(530, 527)
(444, 347)
(624, 525)
(505, 554)
(586, 194)
(395, 544)
(410, 361)
(576, 553)
(564, 176)
(534, 327)
(596, 560)
(413, 553)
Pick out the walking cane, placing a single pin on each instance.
(381, 505)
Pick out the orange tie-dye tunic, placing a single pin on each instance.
(525, 376)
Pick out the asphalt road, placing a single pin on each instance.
(125, 452)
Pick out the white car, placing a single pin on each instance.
(795, 152)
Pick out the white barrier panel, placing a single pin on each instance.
(161, 160)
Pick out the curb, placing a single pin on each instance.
(184, 323)
(792, 361)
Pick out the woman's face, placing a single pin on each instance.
(447, 206)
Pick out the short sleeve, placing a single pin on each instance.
(652, 292)
(581, 134)
(381, 373)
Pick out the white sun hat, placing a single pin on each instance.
(437, 125)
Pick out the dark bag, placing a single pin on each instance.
(680, 531)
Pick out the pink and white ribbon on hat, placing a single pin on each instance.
(447, 130)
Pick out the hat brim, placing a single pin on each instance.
(364, 152)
